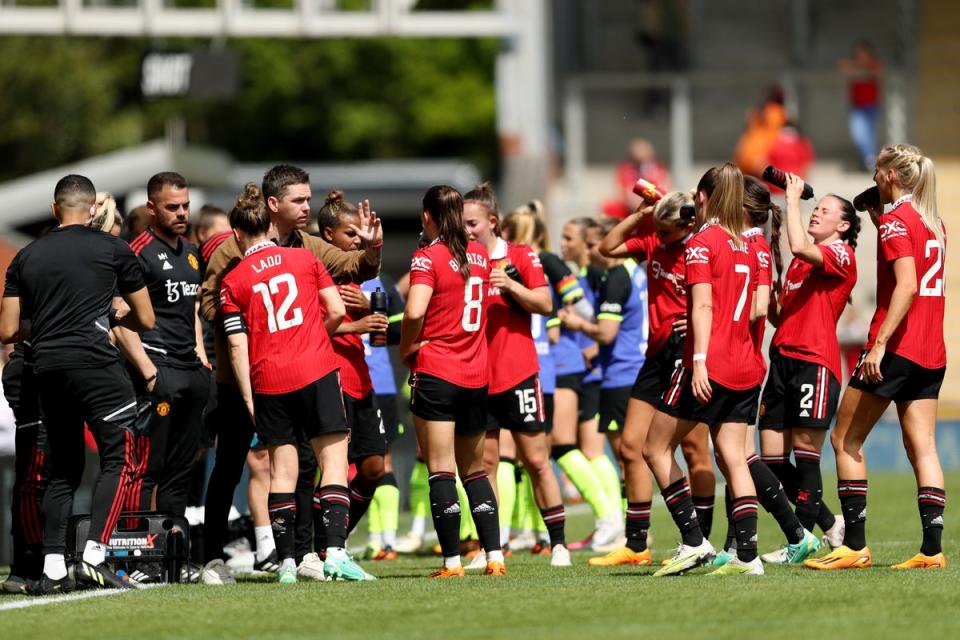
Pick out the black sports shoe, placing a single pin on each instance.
(47, 586)
(99, 577)
(270, 564)
(147, 572)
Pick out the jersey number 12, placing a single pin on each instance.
(283, 317)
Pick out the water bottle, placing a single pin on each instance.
(378, 305)
(869, 199)
(778, 177)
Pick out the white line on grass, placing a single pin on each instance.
(72, 597)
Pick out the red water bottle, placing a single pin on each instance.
(648, 191)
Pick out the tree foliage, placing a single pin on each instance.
(347, 99)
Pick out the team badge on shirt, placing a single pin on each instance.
(192, 259)
(163, 409)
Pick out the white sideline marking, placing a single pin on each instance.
(72, 597)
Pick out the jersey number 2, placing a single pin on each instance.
(936, 289)
(284, 317)
(473, 304)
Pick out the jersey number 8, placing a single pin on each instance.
(284, 317)
(473, 304)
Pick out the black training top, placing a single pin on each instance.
(173, 278)
(65, 281)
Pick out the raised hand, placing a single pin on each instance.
(368, 230)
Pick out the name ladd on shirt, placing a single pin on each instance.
(267, 263)
(473, 258)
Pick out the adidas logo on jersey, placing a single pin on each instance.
(167, 266)
(804, 414)
(528, 418)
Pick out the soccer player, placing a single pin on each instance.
(286, 191)
(287, 374)
(599, 484)
(30, 468)
(443, 342)
(771, 495)
(904, 361)
(516, 400)
(368, 444)
(718, 381)
(168, 364)
(64, 283)
(803, 388)
(658, 237)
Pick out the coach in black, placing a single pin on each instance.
(64, 283)
(169, 363)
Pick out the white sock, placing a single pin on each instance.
(336, 552)
(505, 534)
(265, 543)
(375, 541)
(390, 538)
(288, 563)
(94, 553)
(419, 526)
(452, 562)
(495, 556)
(54, 566)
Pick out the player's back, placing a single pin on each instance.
(454, 325)
(276, 291)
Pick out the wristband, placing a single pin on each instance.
(378, 245)
(699, 357)
(112, 317)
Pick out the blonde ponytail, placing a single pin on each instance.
(726, 201)
(916, 175)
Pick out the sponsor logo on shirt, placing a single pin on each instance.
(698, 255)
(843, 258)
(764, 259)
(177, 289)
(611, 307)
(892, 229)
(421, 263)
(659, 273)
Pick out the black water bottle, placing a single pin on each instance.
(778, 178)
(378, 305)
(869, 199)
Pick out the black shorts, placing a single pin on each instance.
(613, 408)
(798, 394)
(367, 433)
(548, 409)
(435, 399)
(572, 381)
(102, 394)
(301, 415)
(520, 408)
(589, 401)
(654, 376)
(725, 404)
(903, 379)
(391, 417)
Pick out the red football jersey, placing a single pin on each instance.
(811, 303)
(760, 249)
(354, 374)
(511, 352)
(276, 291)
(919, 338)
(713, 258)
(666, 291)
(454, 325)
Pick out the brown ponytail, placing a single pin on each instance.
(776, 222)
(726, 202)
(445, 206)
(249, 213)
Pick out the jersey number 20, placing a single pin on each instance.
(283, 317)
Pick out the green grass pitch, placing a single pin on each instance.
(535, 601)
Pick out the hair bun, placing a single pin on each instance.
(251, 197)
(335, 197)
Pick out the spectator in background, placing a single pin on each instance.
(642, 163)
(107, 218)
(863, 72)
(763, 127)
(211, 221)
(792, 152)
(136, 223)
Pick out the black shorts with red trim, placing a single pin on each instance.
(903, 380)
(613, 408)
(435, 399)
(655, 374)
(725, 404)
(520, 408)
(298, 416)
(798, 393)
(548, 409)
(367, 433)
